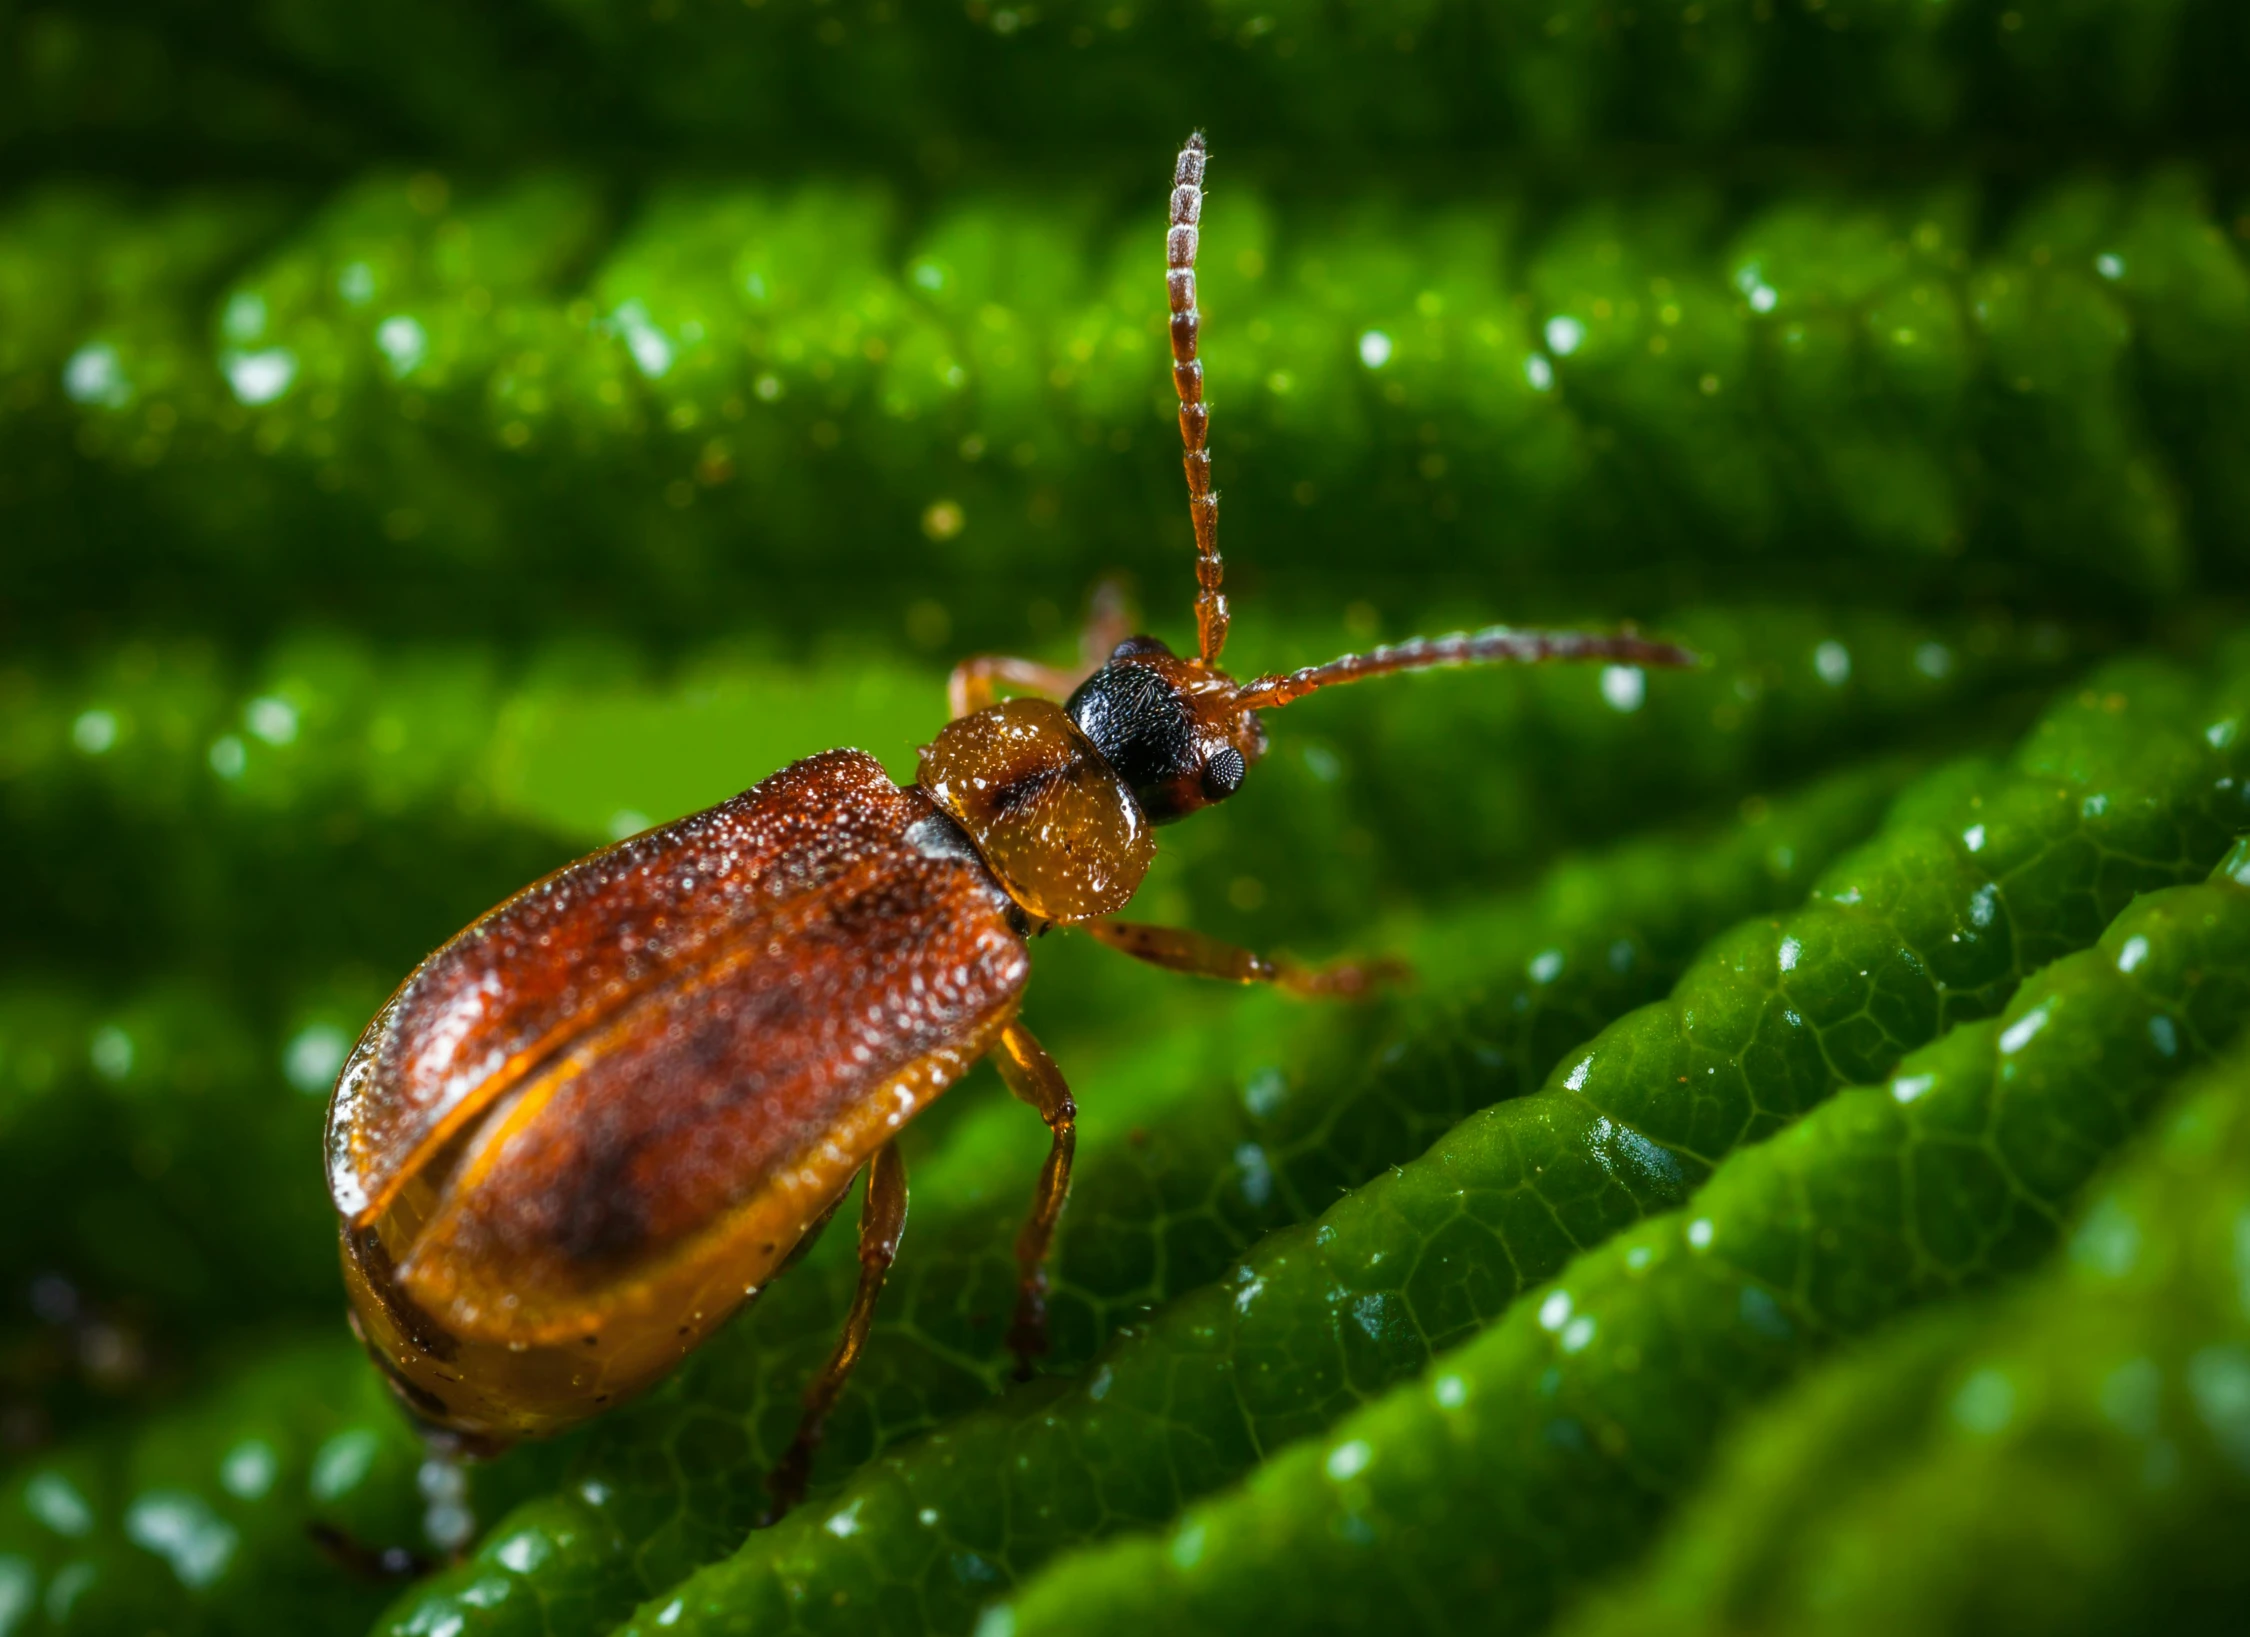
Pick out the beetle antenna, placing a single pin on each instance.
(1195, 415)
(1498, 645)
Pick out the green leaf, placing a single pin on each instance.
(1576, 1420)
(2073, 1459)
(437, 439)
(1980, 875)
(1240, 1117)
(198, 1521)
(508, 381)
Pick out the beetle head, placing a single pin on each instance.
(1174, 729)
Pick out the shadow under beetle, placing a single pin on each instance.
(592, 1126)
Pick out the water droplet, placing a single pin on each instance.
(313, 1056)
(247, 1471)
(342, 1464)
(403, 343)
(260, 377)
(1985, 1403)
(94, 732)
(54, 1501)
(273, 720)
(94, 374)
(2023, 1031)
(245, 317)
(111, 1052)
(1624, 687)
(182, 1529)
(1349, 1460)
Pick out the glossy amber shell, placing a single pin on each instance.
(590, 1127)
(1052, 818)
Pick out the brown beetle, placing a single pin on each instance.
(591, 1127)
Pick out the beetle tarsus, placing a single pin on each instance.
(1027, 1335)
(381, 1564)
(785, 1484)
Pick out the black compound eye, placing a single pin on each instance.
(1222, 774)
(1140, 645)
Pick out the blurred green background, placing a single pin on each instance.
(438, 438)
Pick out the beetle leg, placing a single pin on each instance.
(376, 1565)
(974, 682)
(1031, 1074)
(1176, 949)
(1109, 621)
(882, 1218)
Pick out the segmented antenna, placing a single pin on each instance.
(1499, 645)
(1195, 415)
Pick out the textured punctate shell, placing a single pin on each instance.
(588, 1128)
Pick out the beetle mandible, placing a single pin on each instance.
(591, 1127)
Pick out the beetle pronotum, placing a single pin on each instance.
(602, 1118)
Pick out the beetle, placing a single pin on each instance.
(606, 1115)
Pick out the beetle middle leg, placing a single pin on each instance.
(882, 1218)
(1176, 949)
(1032, 1075)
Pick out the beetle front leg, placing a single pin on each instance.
(1032, 1075)
(1176, 949)
(882, 1218)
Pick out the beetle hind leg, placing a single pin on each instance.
(1032, 1075)
(882, 1218)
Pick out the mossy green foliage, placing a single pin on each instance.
(436, 439)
